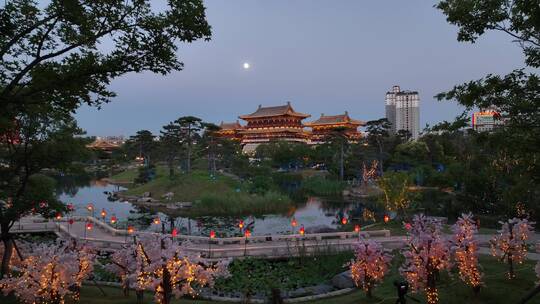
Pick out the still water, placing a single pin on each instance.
(314, 214)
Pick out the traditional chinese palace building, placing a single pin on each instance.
(326, 126)
(230, 130)
(284, 123)
(273, 123)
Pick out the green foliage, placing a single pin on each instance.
(252, 275)
(53, 52)
(318, 185)
(396, 195)
(234, 204)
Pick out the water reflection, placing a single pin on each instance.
(315, 214)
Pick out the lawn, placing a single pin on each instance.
(498, 289)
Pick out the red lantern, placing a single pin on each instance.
(356, 228)
(157, 221)
(71, 221)
(241, 224)
(130, 229)
(103, 213)
(302, 230)
(386, 218)
(43, 204)
(294, 223)
(408, 226)
(212, 234)
(247, 233)
(344, 221)
(70, 207)
(90, 206)
(58, 216)
(113, 219)
(89, 226)
(174, 232)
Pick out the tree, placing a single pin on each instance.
(142, 144)
(396, 194)
(426, 254)
(42, 139)
(54, 53)
(465, 246)
(190, 127)
(51, 273)
(378, 131)
(370, 265)
(511, 244)
(171, 142)
(166, 268)
(515, 96)
(123, 265)
(210, 140)
(338, 137)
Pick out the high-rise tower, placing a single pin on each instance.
(403, 111)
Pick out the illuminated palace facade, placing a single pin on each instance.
(274, 123)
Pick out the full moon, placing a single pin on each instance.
(246, 66)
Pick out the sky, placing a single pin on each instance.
(324, 56)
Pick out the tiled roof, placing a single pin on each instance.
(335, 119)
(274, 111)
(230, 125)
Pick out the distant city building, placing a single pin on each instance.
(403, 111)
(486, 120)
(323, 127)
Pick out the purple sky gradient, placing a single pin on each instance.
(324, 56)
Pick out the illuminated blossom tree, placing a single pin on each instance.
(465, 246)
(510, 245)
(426, 254)
(123, 265)
(370, 265)
(51, 273)
(166, 268)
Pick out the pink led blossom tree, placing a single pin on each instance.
(163, 266)
(51, 273)
(370, 265)
(123, 265)
(465, 246)
(426, 254)
(510, 245)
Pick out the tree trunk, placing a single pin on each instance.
(341, 169)
(530, 295)
(8, 250)
(510, 266)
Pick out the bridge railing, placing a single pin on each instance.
(318, 237)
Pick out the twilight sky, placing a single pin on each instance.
(325, 56)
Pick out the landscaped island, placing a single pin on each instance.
(217, 194)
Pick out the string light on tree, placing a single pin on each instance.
(466, 251)
(511, 244)
(370, 265)
(427, 253)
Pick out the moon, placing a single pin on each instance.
(246, 65)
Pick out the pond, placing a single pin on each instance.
(315, 214)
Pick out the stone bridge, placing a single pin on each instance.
(108, 238)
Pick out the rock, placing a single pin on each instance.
(343, 280)
(147, 194)
(309, 291)
(346, 192)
